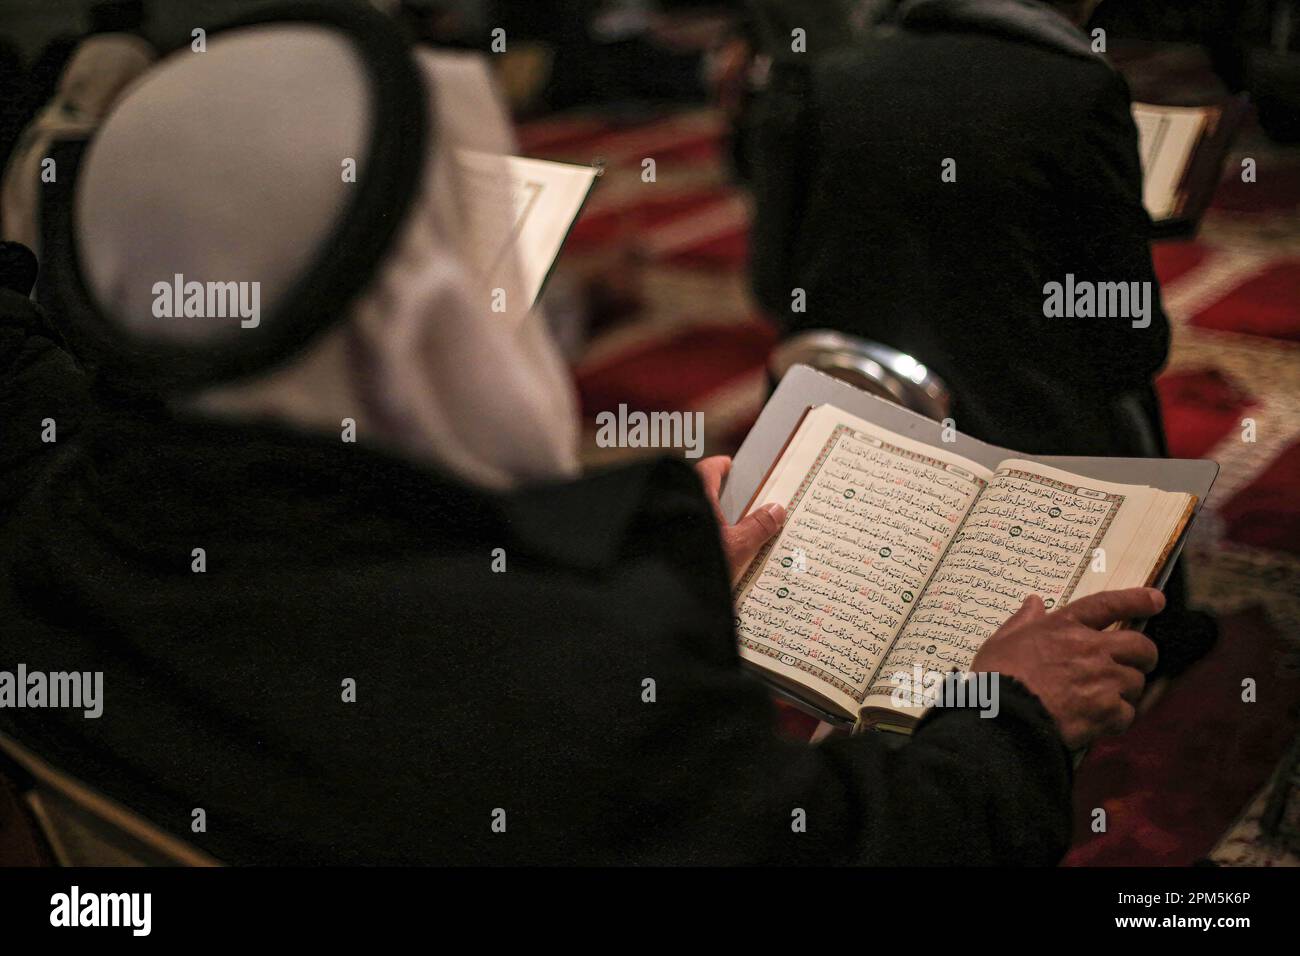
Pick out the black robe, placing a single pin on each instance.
(848, 156)
(476, 691)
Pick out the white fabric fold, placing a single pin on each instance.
(422, 363)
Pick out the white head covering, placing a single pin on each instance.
(96, 74)
(227, 166)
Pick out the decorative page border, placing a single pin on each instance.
(759, 563)
(1116, 501)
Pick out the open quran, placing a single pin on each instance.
(1182, 150)
(899, 557)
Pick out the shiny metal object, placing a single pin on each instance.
(870, 366)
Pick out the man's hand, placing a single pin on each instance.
(1088, 679)
(744, 539)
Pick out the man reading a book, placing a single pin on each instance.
(345, 591)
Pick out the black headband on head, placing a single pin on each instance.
(346, 260)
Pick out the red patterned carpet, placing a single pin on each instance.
(1174, 785)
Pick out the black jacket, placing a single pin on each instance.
(475, 690)
(852, 209)
(44, 395)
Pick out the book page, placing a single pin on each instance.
(1034, 530)
(868, 514)
(507, 215)
(1167, 137)
(544, 199)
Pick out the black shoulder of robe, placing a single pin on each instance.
(328, 565)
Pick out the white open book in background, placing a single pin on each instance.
(1182, 149)
(512, 214)
(545, 197)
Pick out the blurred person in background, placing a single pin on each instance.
(13, 78)
(763, 76)
(100, 69)
(853, 207)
